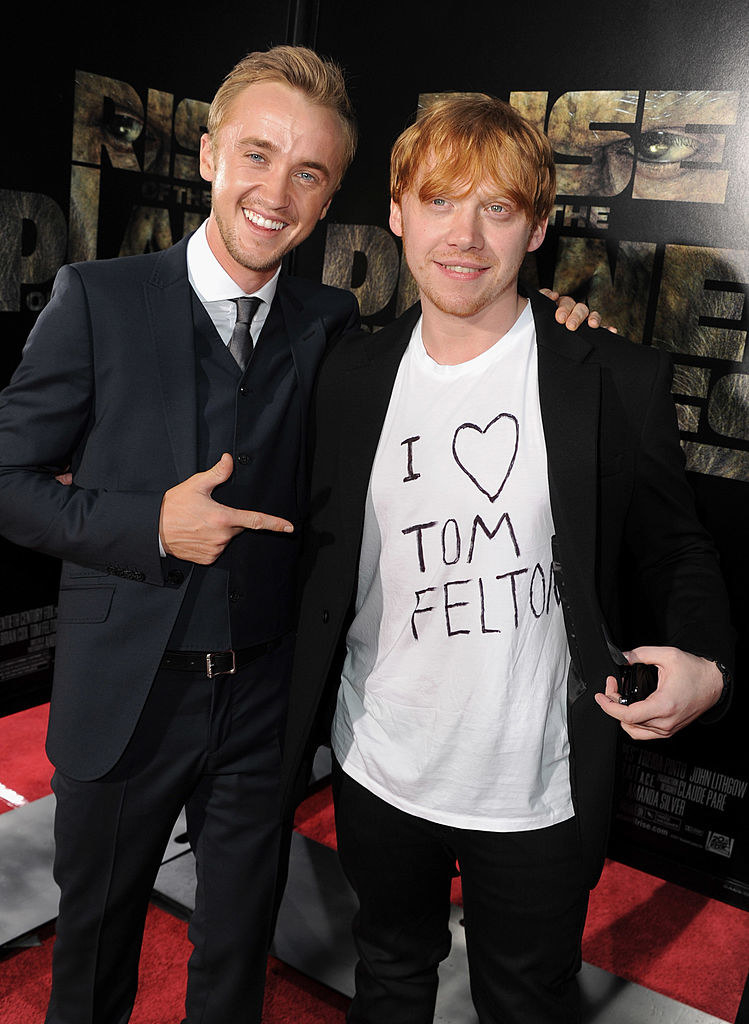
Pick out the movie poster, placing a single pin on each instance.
(648, 114)
(101, 160)
(647, 108)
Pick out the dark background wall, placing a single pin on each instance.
(646, 104)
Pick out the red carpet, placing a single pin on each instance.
(671, 940)
(291, 998)
(24, 768)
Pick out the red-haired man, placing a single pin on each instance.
(484, 484)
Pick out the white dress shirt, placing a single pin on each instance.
(216, 289)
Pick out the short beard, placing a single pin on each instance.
(465, 310)
(469, 306)
(238, 254)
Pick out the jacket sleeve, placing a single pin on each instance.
(676, 564)
(45, 414)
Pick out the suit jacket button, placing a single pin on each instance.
(174, 577)
(326, 615)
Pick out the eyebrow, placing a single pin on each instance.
(272, 147)
(258, 143)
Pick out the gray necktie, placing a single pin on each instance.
(240, 343)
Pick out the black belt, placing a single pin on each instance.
(216, 663)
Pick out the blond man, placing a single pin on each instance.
(176, 385)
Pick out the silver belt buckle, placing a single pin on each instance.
(211, 672)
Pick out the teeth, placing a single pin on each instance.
(461, 270)
(263, 222)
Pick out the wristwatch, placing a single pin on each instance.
(726, 682)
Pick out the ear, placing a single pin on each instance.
(396, 219)
(325, 208)
(207, 169)
(537, 235)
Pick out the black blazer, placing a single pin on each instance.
(623, 515)
(107, 385)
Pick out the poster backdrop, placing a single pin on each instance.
(647, 107)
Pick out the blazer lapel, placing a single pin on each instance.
(307, 336)
(366, 388)
(169, 304)
(570, 391)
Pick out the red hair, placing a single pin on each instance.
(458, 143)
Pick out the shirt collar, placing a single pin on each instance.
(209, 279)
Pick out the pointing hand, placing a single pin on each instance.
(195, 528)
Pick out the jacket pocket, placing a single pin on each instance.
(84, 604)
(71, 571)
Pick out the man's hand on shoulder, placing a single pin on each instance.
(687, 687)
(571, 313)
(195, 528)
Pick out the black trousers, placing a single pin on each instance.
(213, 747)
(524, 905)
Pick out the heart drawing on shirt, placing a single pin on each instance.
(487, 455)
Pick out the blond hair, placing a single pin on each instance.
(321, 80)
(460, 142)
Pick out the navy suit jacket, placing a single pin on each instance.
(623, 514)
(107, 386)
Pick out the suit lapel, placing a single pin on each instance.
(307, 336)
(366, 387)
(169, 305)
(570, 393)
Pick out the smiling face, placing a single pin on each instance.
(465, 250)
(273, 166)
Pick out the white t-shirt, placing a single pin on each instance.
(452, 704)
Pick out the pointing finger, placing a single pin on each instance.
(248, 520)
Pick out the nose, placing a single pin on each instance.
(275, 188)
(465, 229)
